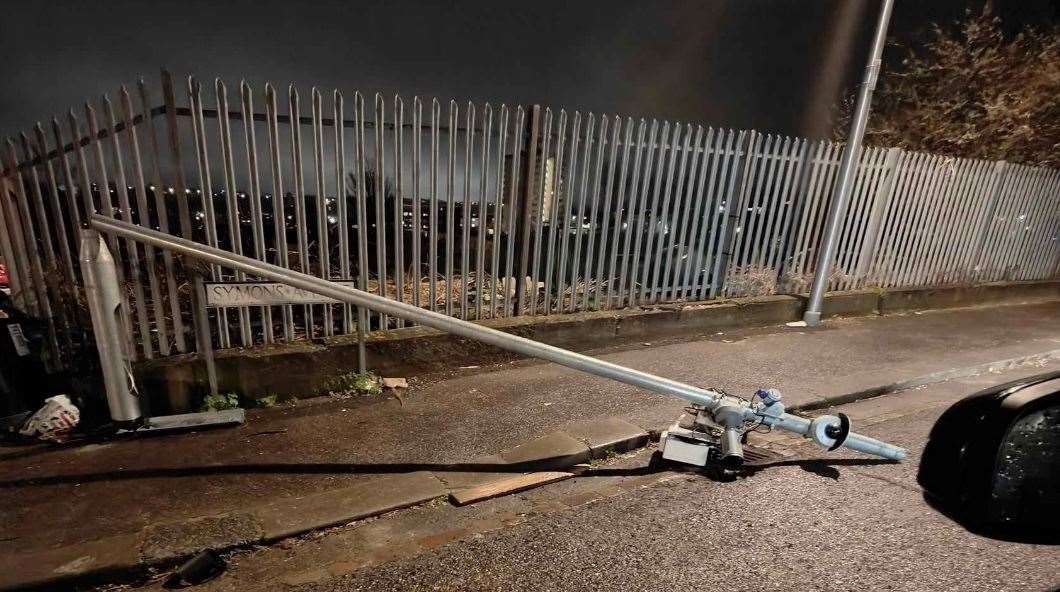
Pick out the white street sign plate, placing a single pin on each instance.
(224, 294)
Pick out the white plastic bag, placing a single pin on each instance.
(53, 421)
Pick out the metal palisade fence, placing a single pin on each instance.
(479, 210)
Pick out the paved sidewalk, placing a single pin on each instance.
(108, 495)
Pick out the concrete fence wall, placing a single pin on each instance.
(302, 368)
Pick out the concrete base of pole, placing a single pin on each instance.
(190, 421)
(812, 318)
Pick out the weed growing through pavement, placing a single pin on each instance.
(220, 402)
(350, 384)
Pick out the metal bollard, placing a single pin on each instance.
(104, 304)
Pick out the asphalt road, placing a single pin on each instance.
(847, 523)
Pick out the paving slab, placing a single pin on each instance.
(48, 567)
(553, 451)
(291, 517)
(166, 542)
(606, 435)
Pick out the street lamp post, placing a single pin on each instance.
(847, 170)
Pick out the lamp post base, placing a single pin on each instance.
(190, 421)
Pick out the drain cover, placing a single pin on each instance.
(753, 455)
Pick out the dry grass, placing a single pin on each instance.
(498, 292)
(798, 283)
(751, 281)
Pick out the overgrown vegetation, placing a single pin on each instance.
(352, 383)
(265, 402)
(223, 401)
(973, 91)
(220, 402)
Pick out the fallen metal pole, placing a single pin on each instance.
(408, 312)
(709, 399)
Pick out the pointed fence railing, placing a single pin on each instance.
(478, 211)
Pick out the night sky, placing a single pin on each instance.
(772, 65)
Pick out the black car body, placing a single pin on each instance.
(992, 461)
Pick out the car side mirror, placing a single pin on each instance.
(992, 461)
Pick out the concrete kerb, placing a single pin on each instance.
(86, 563)
(847, 304)
(926, 379)
(901, 300)
(290, 517)
(609, 435)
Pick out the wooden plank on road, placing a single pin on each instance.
(471, 495)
